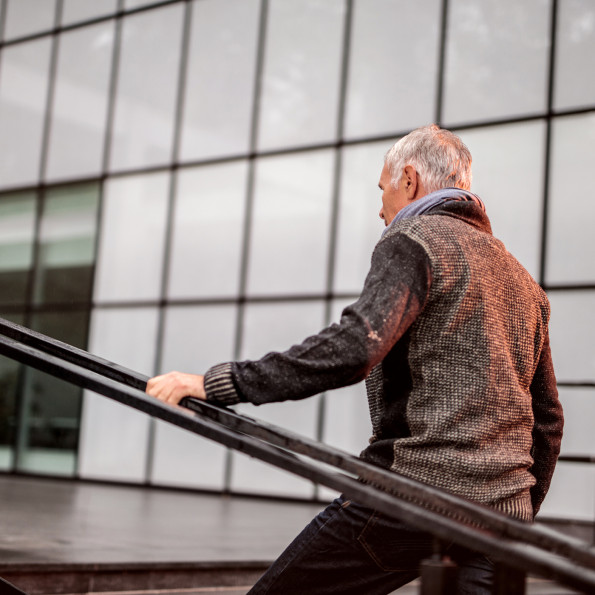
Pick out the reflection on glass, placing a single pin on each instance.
(48, 436)
(23, 92)
(132, 243)
(80, 102)
(127, 336)
(359, 226)
(220, 78)
(25, 17)
(17, 226)
(496, 59)
(291, 223)
(508, 176)
(570, 239)
(379, 89)
(9, 386)
(269, 327)
(147, 88)
(300, 87)
(196, 337)
(208, 231)
(575, 48)
(67, 245)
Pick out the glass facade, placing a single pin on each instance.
(188, 182)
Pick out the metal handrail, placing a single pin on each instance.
(530, 548)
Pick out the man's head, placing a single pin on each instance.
(425, 160)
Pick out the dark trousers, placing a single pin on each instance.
(349, 549)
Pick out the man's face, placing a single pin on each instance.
(393, 199)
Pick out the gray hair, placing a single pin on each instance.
(440, 158)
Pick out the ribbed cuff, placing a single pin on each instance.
(219, 385)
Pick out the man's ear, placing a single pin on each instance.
(410, 182)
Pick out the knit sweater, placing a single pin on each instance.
(450, 333)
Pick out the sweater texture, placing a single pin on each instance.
(451, 334)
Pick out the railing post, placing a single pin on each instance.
(508, 580)
(438, 573)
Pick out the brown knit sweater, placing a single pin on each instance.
(451, 334)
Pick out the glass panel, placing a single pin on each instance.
(48, 439)
(74, 11)
(571, 493)
(300, 86)
(24, 17)
(575, 48)
(222, 52)
(195, 339)
(572, 329)
(579, 413)
(571, 207)
(291, 223)
(147, 88)
(130, 4)
(359, 226)
(132, 244)
(23, 93)
(80, 102)
(276, 327)
(379, 97)
(17, 226)
(347, 416)
(9, 382)
(484, 40)
(67, 245)
(208, 231)
(508, 176)
(127, 337)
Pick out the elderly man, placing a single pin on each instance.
(451, 335)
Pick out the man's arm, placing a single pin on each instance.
(394, 294)
(548, 424)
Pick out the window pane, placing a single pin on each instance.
(291, 222)
(67, 245)
(17, 226)
(379, 97)
(496, 62)
(132, 243)
(300, 92)
(276, 327)
(571, 207)
(572, 329)
(147, 88)
(24, 17)
(220, 78)
(74, 11)
(23, 92)
(126, 337)
(508, 176)
(9, 382)
(195, 339)
(208, 231)
(48, 437)
(359, 226)
(575, 48)
(579, 413)
(80, 102)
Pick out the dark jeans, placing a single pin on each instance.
(349, 549)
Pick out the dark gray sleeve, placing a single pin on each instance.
(548, 425)
(394, 293)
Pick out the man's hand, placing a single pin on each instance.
(173, 387)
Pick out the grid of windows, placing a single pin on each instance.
(189, 181)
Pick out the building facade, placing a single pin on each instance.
(191, 181)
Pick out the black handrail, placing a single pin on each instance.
(531, 548)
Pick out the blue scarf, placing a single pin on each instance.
(429, 201)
